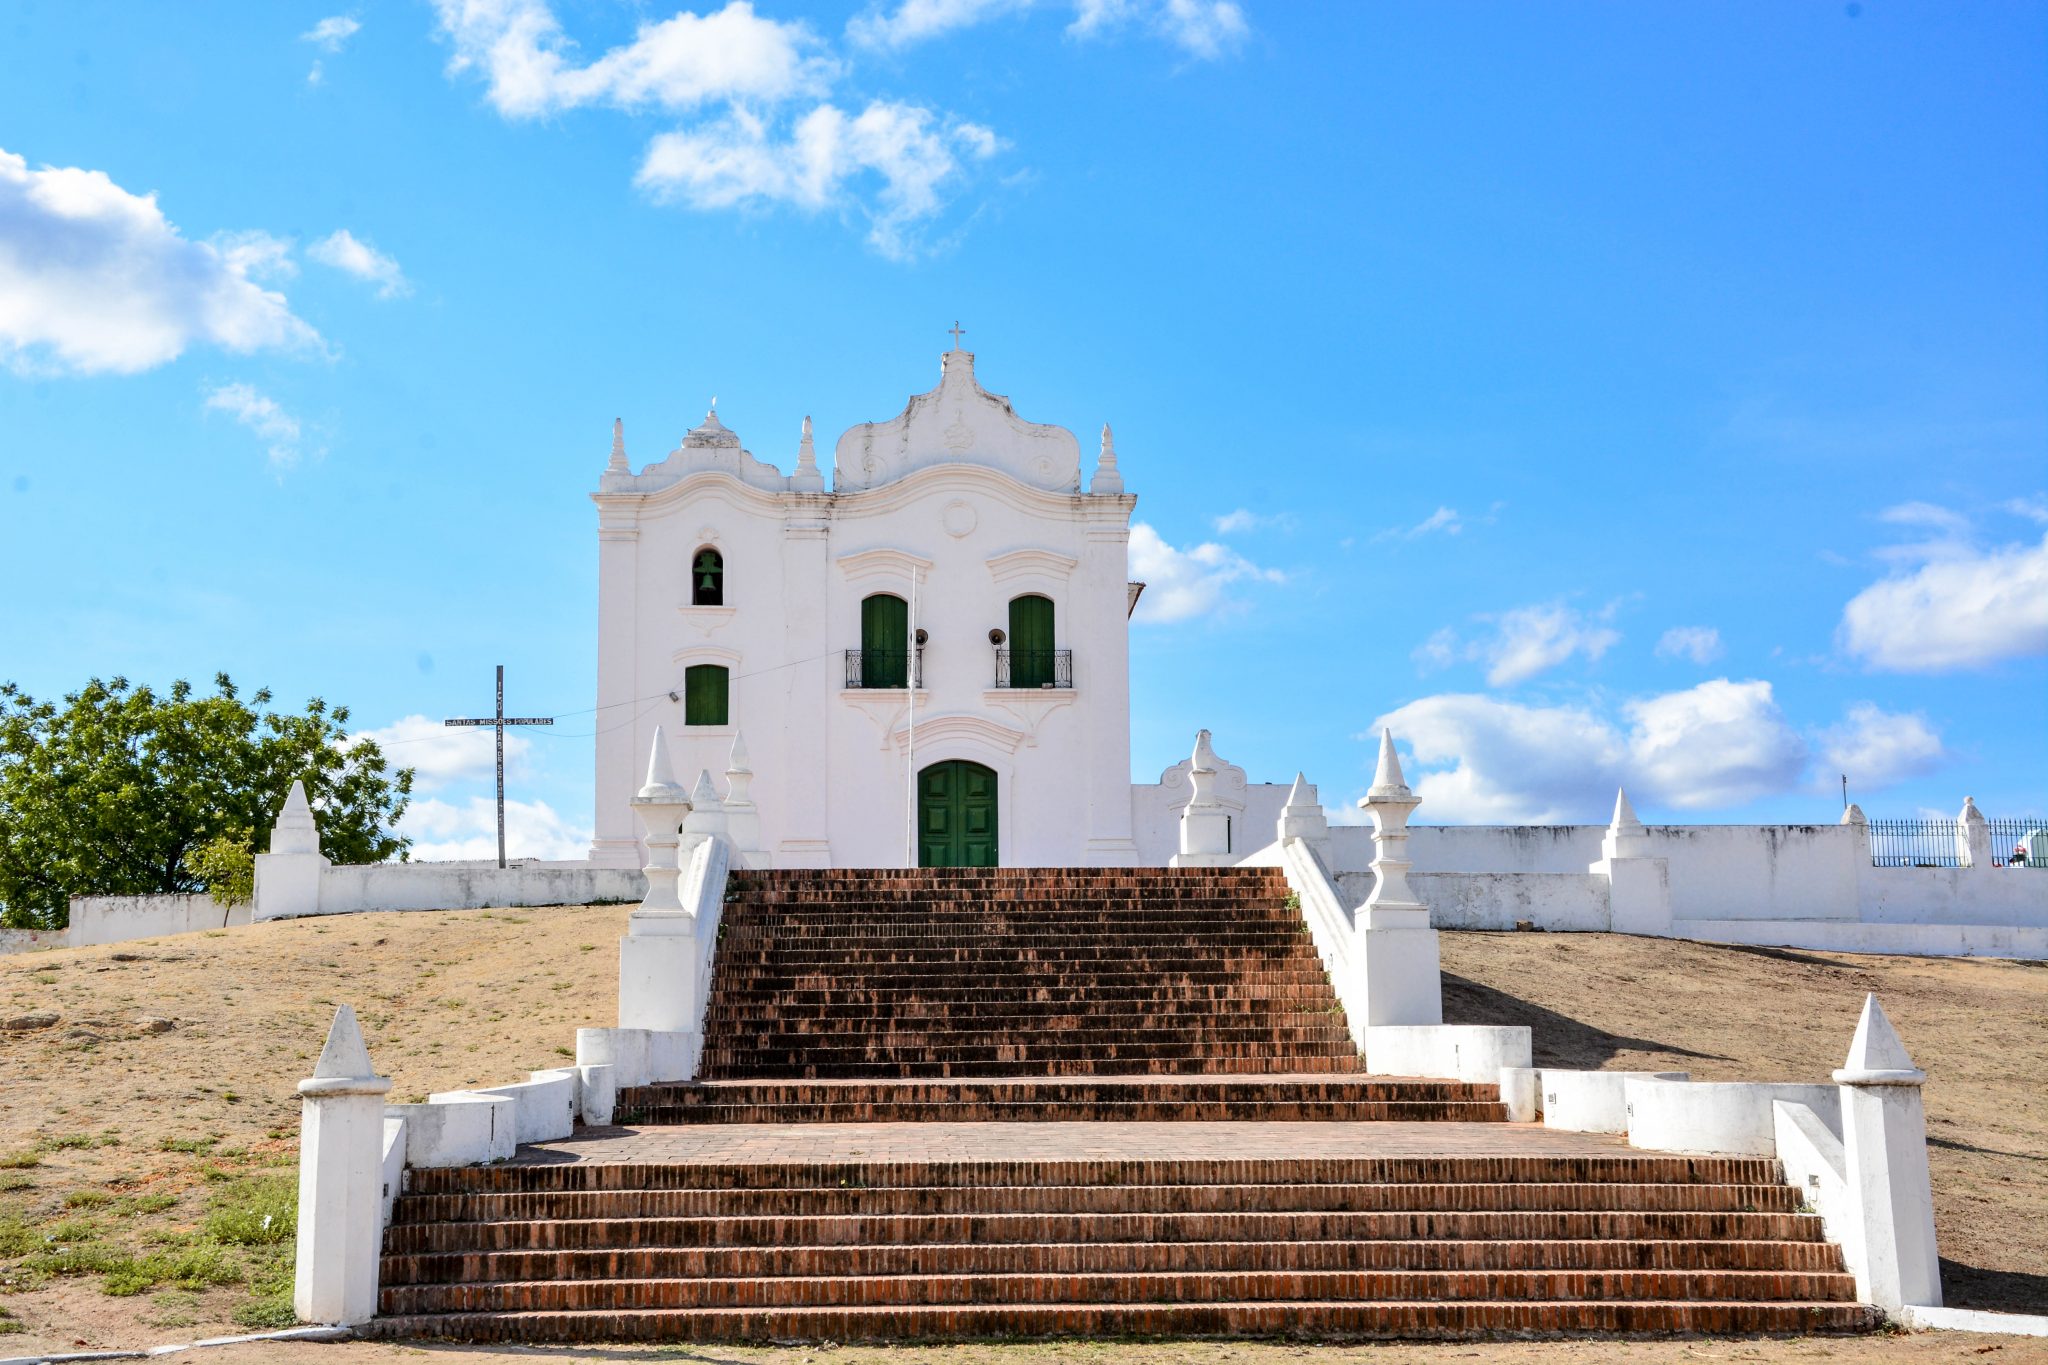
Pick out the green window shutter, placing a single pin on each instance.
(884, 640)
(1031, 641)
(705, 689)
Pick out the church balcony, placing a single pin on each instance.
(870, 669)
(1034, 668)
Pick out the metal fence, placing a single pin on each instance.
(880, 668)
(1938, 843)
(1034, 668)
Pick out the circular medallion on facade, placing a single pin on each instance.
(708, 534)
(1044, 467)
(958, 518)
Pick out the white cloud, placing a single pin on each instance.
(1718, 744)
(1206, 29)
(1484, 760)
(679, 63)
(1701, 644)
(1507, 763)
(441, 755)
(261, 415)
(1529, 640)
(1877, 748)
(1445, 519)
(2034, 507)
(1180, 584)
(332, 33)
(95, 280)
(1244, 519)
(445, 832)
(1961, 608)
(1203, 28)
(1438, 651)
(914, 21)
(343, 251)
(738, 160)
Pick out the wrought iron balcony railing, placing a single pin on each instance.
(1034, 668)
(880, 668)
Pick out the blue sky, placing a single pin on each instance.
(1596, 393)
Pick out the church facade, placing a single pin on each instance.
(925, 663)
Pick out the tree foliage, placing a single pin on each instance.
(111, 791)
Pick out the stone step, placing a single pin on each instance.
(904, 1199)
(1620, 1167)
(1082, 1258)
(617, 1295)
(951, 1035)
(1460, 1320)
(406, 1238)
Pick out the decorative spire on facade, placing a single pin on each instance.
(808, 478)
(1108, 479)
(618, 463)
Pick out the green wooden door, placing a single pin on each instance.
(1030, 641)
(956, 815)
(884, 640)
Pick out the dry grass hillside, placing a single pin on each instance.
(147, 1132)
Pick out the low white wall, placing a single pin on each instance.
(1722, 1118)
(32, 940)
(1591, 1101)
(1793, 885)
(473, 886)
(1496, 900)
(1452, 1052)
(120, 919)
(1914, 940)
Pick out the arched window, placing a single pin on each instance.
(884, 640)
(1031, 641)
(706, 694)
(707, 578)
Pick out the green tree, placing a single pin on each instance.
(110, 792)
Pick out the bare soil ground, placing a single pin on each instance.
(1915, 1348)
(140, 1155)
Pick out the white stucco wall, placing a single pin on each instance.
(473, 885)
(121, 919)
(957, 499)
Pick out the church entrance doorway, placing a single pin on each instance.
(956, 815)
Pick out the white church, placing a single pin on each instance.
(926, 664)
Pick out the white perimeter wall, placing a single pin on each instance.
(474, 886)
(118, 919)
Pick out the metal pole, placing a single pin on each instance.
(500, 728)
(910, 748)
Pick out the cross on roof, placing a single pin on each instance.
(956, 330)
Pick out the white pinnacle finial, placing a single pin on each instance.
(1297, 795)
(1205, 753)
(704, 795)
(1387, 780)
(618, 462)
(1624, 813)
(1107, 477)
(296, 831)
(1876, 1046)
(737, 763)
(806, 449)
(1852, 814)
(345, 1057)
(661, 782)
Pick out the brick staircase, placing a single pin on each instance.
(1029, 994)
(1441, 1246)
(1175, 999)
